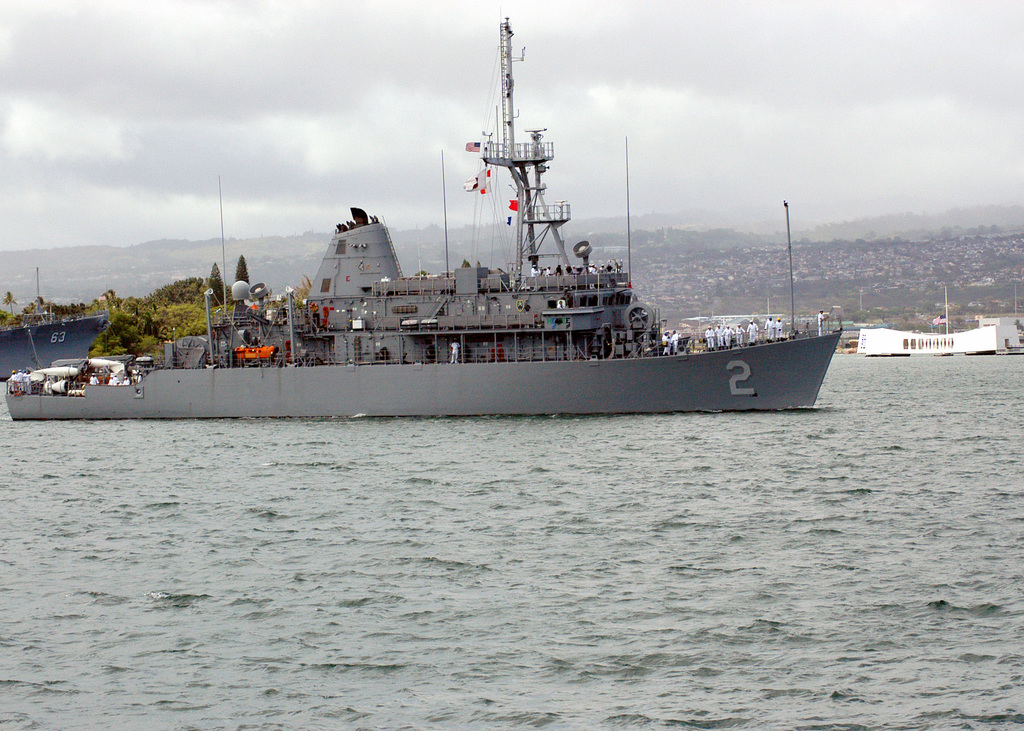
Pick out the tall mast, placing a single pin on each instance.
(508, 112)
(792, 298)
(534, 218)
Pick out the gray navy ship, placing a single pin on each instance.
(43, 338)
(555, 332)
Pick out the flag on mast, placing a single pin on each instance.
(472, 147)
(479, 182)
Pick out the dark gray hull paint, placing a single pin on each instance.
(36, 346)
(770, 376)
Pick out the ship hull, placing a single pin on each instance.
(770, 376)
(36, 346)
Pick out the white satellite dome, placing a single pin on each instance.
(239, 290)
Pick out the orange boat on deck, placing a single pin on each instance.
(264, 352)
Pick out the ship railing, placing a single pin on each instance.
(498, 350)
(699, 345)
(548, 213)
(576, 282)
(520, 152)
(17, 387)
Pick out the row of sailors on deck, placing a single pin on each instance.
(724, 337)
(536, 271)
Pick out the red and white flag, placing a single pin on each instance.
(479, 182)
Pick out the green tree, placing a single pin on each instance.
(70, 310)
(148, 323)
(9, 300)
(109, 298)
(241, 270)
(183, 291)
(216, 283)
(121, 337)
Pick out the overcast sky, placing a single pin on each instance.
(116, 117)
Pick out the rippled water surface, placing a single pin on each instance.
(858, 565)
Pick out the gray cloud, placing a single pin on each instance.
(116, 117)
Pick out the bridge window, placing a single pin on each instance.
(325, 286)
(341, 248)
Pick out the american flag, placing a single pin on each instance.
(472, 147)
(940, 320)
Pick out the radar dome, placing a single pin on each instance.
(239, 290)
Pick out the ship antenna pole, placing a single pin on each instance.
(629, 241)
(223, 251)
(444, 205)
(792, 299)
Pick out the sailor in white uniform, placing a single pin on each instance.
(455, 353)
(751, 333)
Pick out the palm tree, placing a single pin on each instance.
(302, 291)
(9, 300)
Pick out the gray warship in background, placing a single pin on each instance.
(555, 334)
(43, 338)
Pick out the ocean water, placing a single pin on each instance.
(854, 566)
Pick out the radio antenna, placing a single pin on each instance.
(444, 203)
(223, 251)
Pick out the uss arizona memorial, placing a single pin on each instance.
(994, 335)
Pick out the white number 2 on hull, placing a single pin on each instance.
(737, 378)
